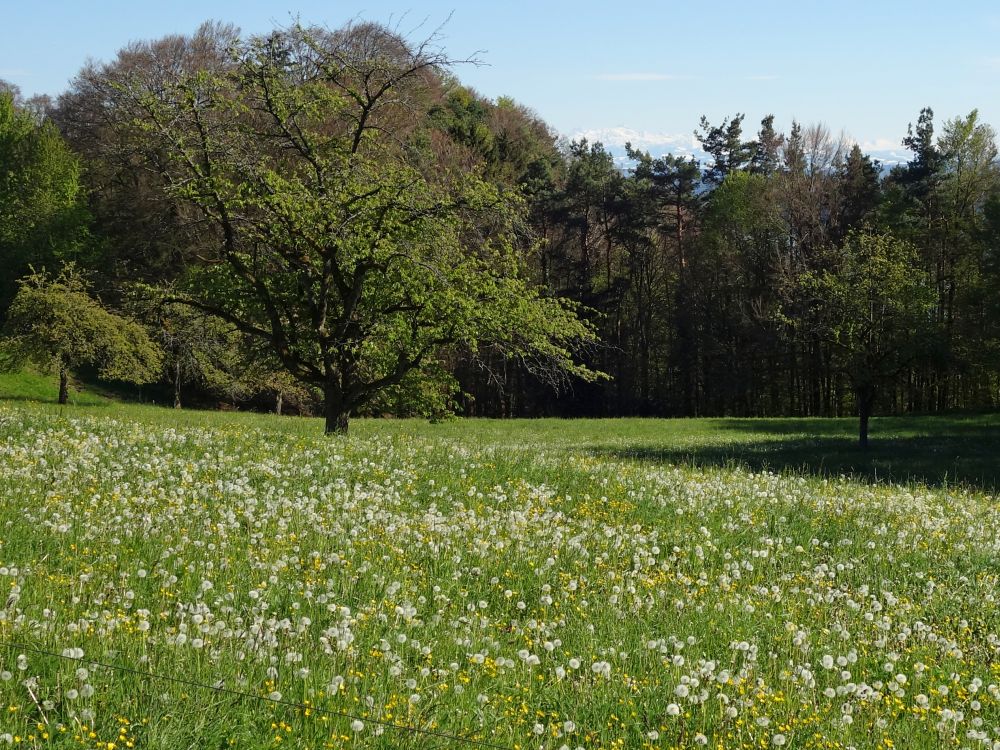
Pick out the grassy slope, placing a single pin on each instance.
(30, 386)
(939, 450)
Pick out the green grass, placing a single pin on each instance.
(956, 450)
(414, 574)
(935, 450)
(30, 386)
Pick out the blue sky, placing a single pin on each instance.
(646, 70)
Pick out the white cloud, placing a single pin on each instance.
(641, 77)
(761, 78)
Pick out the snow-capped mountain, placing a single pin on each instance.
(660, 143)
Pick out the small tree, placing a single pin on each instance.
(55, 324)
(197, 348)
(276, 383)
(875, 307)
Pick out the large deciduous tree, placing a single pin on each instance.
(143, 236)
(341, 236)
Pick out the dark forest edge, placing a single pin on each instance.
(330, 222)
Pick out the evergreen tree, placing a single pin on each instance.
(767, 148)
(724, 143)
(860, 188)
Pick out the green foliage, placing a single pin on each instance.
(347, 211)
(742, 233)
(55, 325)
(354, 259)
(513, 146)
(198, 348)
(969, 172)
(741, 201)
(876, 309)
(431, 392)
(874, 306)
(859, 178)
(42, 214)
(767, 148)
(724, 143)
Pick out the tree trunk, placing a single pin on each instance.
(177, 385)
(866, 400)
(278, 399)
(336, 422)
(337, 415)
(63, 385)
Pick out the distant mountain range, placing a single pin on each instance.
(659, 144)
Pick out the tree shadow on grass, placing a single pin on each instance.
(962, 453)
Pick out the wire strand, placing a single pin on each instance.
(15, 646)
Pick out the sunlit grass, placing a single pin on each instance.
(534, 584)
(31, 386)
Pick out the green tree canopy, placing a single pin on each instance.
(56, 325)
(198, 348)
(42, 216)
(344, 240)
(876, 308)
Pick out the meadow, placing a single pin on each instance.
(535, 584)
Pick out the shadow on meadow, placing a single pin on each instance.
(936, 451)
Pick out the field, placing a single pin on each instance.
(594, 584)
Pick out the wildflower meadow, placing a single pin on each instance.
(238, 582)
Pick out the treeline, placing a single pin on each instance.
(787, 274)
(702, 278)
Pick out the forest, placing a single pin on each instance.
(177, 204)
